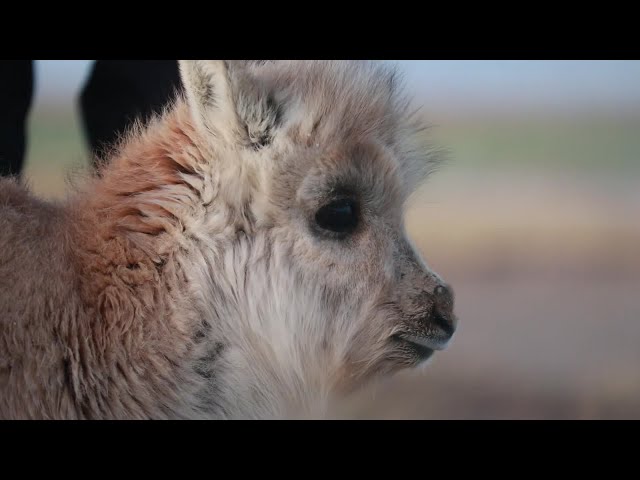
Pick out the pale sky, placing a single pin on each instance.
(443, 85)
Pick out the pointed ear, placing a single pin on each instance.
(209, 90)
(229, 102)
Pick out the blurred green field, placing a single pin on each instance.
(582, 145)
(536, 224)
(585, 144)
(56, 146)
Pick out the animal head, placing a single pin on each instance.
(304, 268)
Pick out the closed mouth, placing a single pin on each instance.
(422, 351)
(425, 342)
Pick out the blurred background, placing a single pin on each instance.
(534, 220)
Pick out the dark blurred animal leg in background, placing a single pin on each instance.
(16, 92)
(118, 92)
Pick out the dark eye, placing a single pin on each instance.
(339, 216)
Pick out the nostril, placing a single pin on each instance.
(446, 323)
(443, 309)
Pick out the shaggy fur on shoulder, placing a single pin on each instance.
(242, 256)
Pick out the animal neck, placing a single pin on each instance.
(152, 165)
(126, 226)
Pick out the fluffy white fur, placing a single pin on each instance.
(195, 281)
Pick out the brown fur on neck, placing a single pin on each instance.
(121, 348)
(147, 161)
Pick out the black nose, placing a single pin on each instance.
(443, 309)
